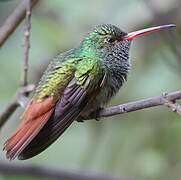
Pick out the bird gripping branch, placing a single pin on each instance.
(76, 84)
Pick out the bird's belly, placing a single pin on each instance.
(102, 98)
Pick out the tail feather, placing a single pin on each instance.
(29, 128)
(52, 130)
(45, 121)
(66, 110)
(26, 135)
(11, 142)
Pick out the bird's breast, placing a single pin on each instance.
(111, 86)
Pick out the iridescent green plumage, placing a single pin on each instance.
(93, 58)
(60, 72)
(76, 83)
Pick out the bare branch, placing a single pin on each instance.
(14, 20)
(8, 111)
(26, 44)
(137, 105)
(115, 110)
(14, 103)
(52, 173)
(19, 97)
(175, 107)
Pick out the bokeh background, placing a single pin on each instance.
(144, 144)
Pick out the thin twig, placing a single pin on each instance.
(17, 100)
(26, 44)
(8, 111)
(175, 107)
(52, 173)
(20, 95)
(14, 20)
(137, 105)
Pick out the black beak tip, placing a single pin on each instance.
(172, 25)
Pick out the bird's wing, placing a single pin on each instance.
(42, 130)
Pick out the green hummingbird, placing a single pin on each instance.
(76, 84)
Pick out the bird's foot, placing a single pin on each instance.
(95, 114)
(80, 119)
(92, 115)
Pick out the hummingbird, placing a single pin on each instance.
(76, 84)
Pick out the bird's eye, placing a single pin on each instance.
(109, 40)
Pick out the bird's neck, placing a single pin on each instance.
(117, 69)
(117, 64)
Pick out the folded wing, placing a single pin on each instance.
(45, 121)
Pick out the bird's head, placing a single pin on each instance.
(108, 41)
(104, 40)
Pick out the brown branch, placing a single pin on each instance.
(20, 94)
(52, 173)
(17, 100)
(138, 105)
(26, 44)
(14, 20)
(115, 110)
(175, 107)
(8, 111)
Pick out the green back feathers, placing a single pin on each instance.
(87, 72)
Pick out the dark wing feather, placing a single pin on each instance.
(66, 111)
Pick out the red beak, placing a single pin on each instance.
(132, 35)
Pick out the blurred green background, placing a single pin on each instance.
(145, 144)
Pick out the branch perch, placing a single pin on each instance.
(115, 110)
(138, 105)
(175, 107)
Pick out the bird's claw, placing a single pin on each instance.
(80, 119)
(96, 114)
